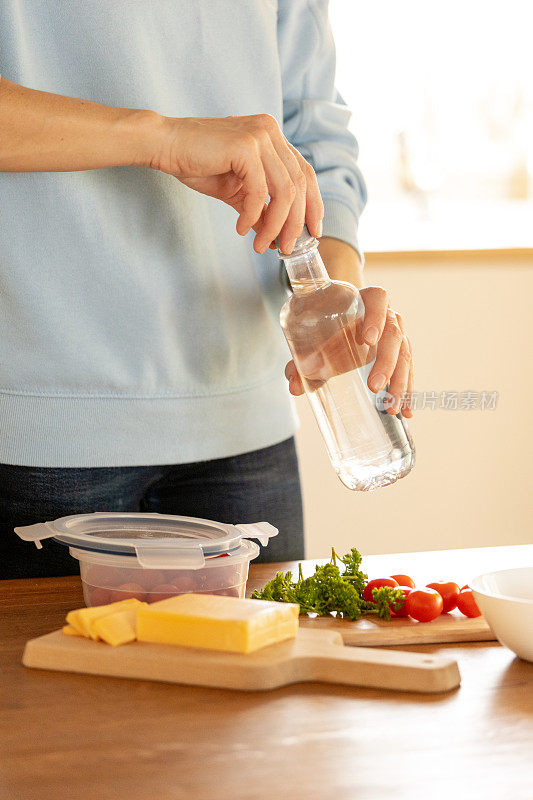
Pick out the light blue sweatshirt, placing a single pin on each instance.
(136, 326)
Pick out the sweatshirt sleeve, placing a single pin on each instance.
(315, 117)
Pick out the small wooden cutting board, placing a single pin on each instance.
(371, 631)
(314, 655)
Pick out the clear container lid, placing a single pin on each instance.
(157, 540)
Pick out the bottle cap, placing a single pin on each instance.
(304, 242)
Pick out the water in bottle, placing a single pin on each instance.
(322, 322)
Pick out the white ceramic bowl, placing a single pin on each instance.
(505, 599)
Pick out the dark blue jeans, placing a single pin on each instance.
(262, 485)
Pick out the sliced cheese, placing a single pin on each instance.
(119, 627)
(69, 630)
(75, 622)
(217, 622)
(82, 618)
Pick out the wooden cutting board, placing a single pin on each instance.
(373, 632)
(314, 655)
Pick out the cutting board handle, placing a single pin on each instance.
(378, 668)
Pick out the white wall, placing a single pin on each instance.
(469, 316)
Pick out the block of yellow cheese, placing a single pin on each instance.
(82, 618)
(119, 627)
(217, 622)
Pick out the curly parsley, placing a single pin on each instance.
(330, 590)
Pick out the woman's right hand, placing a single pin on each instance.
(244, 161)
(247, 163)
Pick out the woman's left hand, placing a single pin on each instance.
(394, 360)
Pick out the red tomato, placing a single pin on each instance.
(423, 604)
(186, 584)
(99, 596)
(188, 580)
(467, 604)
(151, 578)
(376, 584)
(404, 580)
(126, 591)
(143, 577)
(231, 591)
(163, 592)
(402, 611)
(449, 592)
(100, 575)
(466, 586)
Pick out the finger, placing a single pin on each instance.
(314, 207)
(376, 304)
(407, 405)
(295, 382)
(387, 353)
(400, 377)
(282, 192)
(257, 226)
(290, 370)
(294, 223)
(249, 168)
(308, 201)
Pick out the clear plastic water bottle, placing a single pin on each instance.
(322, 322)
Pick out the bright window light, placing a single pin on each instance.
(442, 101)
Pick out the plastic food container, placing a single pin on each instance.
(154, 556)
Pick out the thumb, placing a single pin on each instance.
(295, 382)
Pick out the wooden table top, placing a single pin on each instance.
(73, 736)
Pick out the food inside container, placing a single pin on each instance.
(154, 556)
(107, 579)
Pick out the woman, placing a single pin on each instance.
(150, 153)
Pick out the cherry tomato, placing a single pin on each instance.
(191, 578)
(404, 580)
(127, 591)
(376, 584)
(467, 604)
(100, 575)
(186, 584)
(449, 591)
(143, 577)
(402, 611)
(163, 592)
(100, 596)
(216, 578)
(231, 591)
(423, 604)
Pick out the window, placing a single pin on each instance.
(442, 102)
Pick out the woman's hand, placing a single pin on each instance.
(384, 328)
(243, 161)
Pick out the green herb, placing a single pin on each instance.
(330, 590)
(387, 598)
(353, 573)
